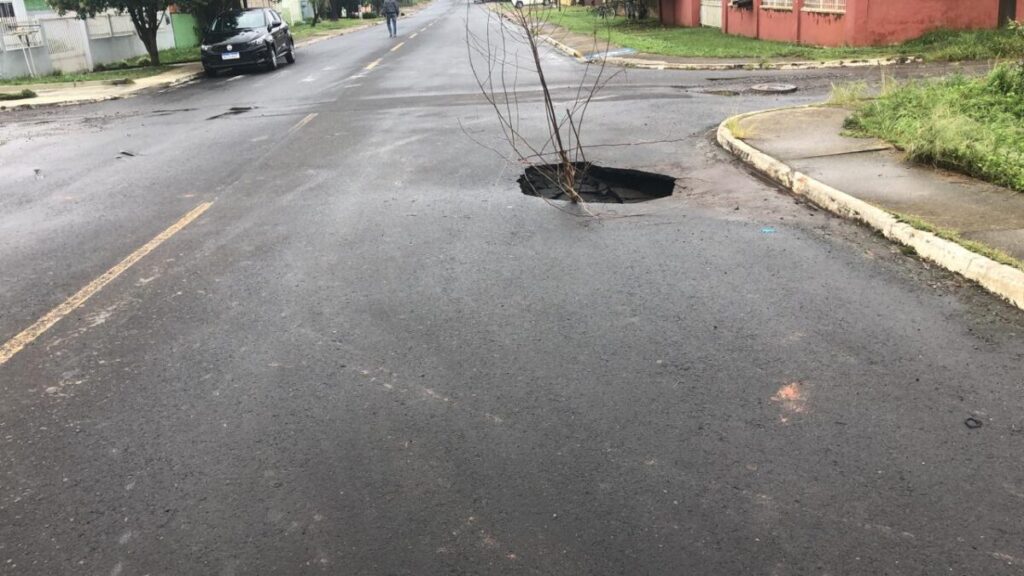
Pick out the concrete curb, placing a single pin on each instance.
(564, 48)
(1006, 281)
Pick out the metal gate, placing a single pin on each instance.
(67, 43)
(711, 13)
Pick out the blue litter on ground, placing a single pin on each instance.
(768, 230)
(610, 53)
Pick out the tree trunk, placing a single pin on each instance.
(149, 41)
(147, 21)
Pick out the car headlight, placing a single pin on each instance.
(204, 47)
(260, 41)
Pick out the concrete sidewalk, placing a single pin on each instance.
(804, 149)
(62, 93)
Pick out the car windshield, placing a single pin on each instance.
(233, 21)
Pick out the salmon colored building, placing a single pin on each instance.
(839, 22)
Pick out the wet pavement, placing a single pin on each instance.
(370, 353)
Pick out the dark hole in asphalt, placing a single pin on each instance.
(170, 111)
(233, 111)
(723, 92)
(597, 184)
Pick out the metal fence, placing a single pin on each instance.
(18, 35)
(833, 6)
(66, 44)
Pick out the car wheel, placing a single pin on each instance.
(272, 62)
(210, 72)
(290, 56)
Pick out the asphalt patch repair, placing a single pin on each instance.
(597, 184)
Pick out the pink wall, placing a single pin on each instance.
(823, 29)
(866, 22)
(680, 12)
(740, 22)
(781, 25)
(889, 22)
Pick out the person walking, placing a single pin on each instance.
(391, 15)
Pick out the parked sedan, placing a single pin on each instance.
(241, 38)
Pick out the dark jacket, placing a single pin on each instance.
(390, 8)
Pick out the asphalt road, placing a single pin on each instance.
(372, 355)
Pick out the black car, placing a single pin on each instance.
(241, 38)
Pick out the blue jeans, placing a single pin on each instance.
(392, 24)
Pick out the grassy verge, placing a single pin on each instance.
(304, 31)
(651, 37)
(952, 236)
(974, 126)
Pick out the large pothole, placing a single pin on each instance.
(597, 183)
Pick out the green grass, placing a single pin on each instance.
(953, 236)
(739, 131)
(5, 96)
(848, 95)
(651, 37)
(971, 125)
(304, 31)
(179, 55)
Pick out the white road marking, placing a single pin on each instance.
(373, 64)
(308, 79)
(303, 122)
(397, 46)
(414, 34)
(233, 78)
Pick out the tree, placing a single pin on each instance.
(146, 15)
(204, 11)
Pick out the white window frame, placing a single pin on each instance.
(825, 6)
(777, 5)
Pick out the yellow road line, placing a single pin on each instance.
(415, 34)
(301, 123)
(373, 64)
(28, 335)
(397, 46)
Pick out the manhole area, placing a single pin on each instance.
(597, 184)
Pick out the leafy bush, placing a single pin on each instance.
(369, 15)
